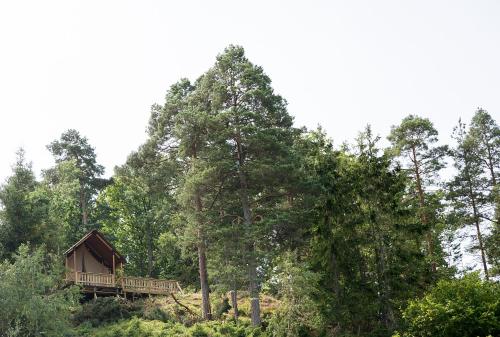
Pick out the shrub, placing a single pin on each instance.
(31, 301)
(152, 311)
(137, 327)
(222, 307)
(105, 310)
(455, 308)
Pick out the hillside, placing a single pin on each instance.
(162, 316)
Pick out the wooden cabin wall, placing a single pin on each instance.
(91, 264)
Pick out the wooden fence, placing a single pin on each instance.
(126, 283)
(149, 285)
(95, 279)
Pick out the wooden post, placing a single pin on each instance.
(113, 269)
(74, 264)
(66, 275)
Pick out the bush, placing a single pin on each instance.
(455, 308)
(153, 312)
(106, 310)
(31, 300)
(137, 327)
(222, 307)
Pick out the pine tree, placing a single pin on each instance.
(485, 134)
(253, 132)
(469, 187)
(179, 130)
(74, 147)
(413, 141)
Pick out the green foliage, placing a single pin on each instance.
(23, 209)
(105, 310)
(140, 328)
(137, 208)
(485, 134)
(455, 308)
(62, 187)
(364, 242)
(414, 143)
(175, 260)
(222, 307)
(152, 312)
(226, 186)
(493, 240)
(468, 190)
(75, 148)
(299, 313)
(32, 302)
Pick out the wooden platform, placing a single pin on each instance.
(107, 284)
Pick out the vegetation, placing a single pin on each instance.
(270, 228)
(31, 303)
(464, 307)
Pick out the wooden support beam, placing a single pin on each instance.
(74, 265)
(66, 274)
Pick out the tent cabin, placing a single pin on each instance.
(93, 260)
(93, 263)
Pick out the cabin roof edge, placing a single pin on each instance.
(101, 237)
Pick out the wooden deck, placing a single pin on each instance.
(125, 284)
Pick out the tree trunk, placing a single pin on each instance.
(252, 263)
(202, 255)
(234, 303)
(476, 212)
(149, 244)
(386, 309)
(479, 236)
(336, 274)
(491, 166)
(83, 206)
(202, 264)
(423, 215)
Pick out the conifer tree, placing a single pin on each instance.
(468, 189)
(485, 134)
(253, 132)
(21, 210)
(73, 147)
(179, 130)
(414, 142)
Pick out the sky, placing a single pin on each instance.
(98, 66)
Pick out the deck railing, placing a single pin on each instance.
(95, 279)
(149, 285)
(126, 283)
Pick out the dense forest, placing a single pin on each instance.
(229, 197)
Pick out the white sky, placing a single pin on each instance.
(97, 66)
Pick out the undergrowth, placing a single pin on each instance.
(137, 327)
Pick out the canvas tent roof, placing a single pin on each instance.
(97, 243)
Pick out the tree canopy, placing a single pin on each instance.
(231, 198)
